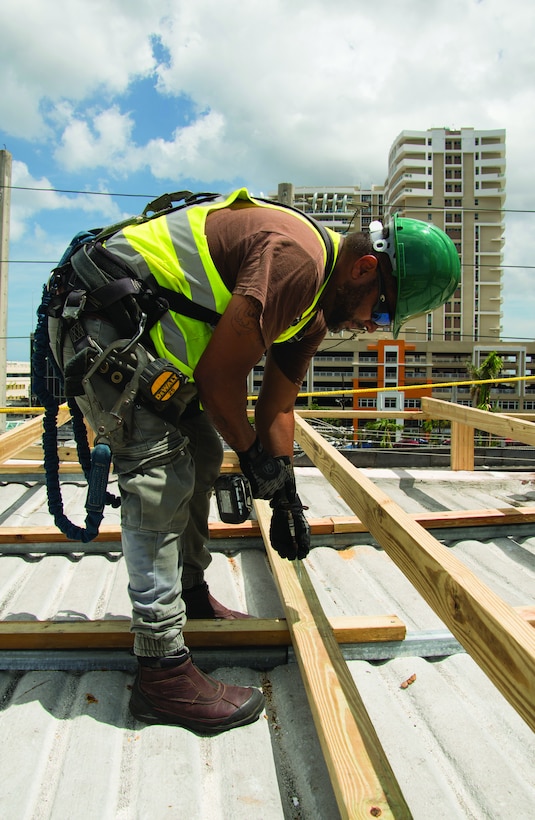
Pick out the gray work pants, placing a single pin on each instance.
(165, 474)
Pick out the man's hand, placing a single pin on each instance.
(266, 474)
(289, 531)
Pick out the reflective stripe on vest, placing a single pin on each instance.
(174, 249)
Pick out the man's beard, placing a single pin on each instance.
(347, 301)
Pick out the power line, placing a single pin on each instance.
(447, 208)
(463, 264)
(74, 191)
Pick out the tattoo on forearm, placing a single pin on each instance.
(245, 319)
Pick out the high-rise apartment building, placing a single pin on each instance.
(456, 180)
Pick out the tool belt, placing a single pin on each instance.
(95, 283)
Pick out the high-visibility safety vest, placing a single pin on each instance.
(173, 249)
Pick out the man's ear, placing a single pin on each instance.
(365, 264)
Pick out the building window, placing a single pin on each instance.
(507, 405)
(390, 403)
(447, 203)
(367, 402)
(429, 186)
(412, 404)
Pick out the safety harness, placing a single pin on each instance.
(90, 279)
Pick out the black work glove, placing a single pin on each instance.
(289, 531)
(265, 473)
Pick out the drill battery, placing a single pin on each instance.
(234, 498)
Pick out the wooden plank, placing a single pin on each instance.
(462, 447)
(496, 637)
(115, 634)
(30, 459)
(500, 424)
(20, 437)
(445, 519)
(527, 613)
(362, 779)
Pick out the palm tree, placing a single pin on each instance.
(488, 370)
(384, 426)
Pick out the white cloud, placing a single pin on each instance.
(101, 140)
(69, 49)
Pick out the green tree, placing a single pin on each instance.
(386, 427)
(429, 426)
(490, 368)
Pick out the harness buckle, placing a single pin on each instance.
(74, 304)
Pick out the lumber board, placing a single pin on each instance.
(30, 460)
(445, 519)
(462, 447)
(496, 637)
(363, 781)
(17, 439)
(500, 424)
(115, 634)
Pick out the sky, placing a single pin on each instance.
(105, 104)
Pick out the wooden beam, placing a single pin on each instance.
(115, 634)
(27, 433)
(500, 424)
(362, 779)
(496, 637)
(462, 447)
(445, 519)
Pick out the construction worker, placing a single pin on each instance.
(275, 284)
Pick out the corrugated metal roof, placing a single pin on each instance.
(71, 748)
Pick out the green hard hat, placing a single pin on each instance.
(424, 261)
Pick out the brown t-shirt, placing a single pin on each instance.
(277, 259)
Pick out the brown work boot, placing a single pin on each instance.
(182, 695)
(200, 604)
